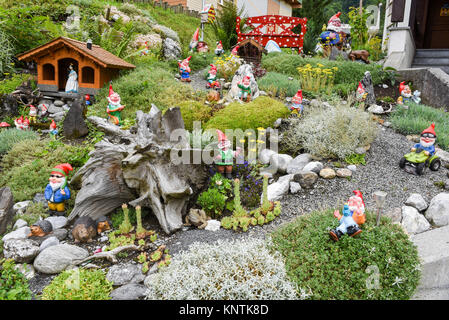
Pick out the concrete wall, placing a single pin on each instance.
(401, 48)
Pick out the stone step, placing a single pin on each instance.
(433, 250)
(443, 68)
(432, 294)
(432, 61)
(432, 53)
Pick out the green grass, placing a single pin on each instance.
(341, 270)
(279, 85)
(9, 85)
(9, 137)
(419, 117)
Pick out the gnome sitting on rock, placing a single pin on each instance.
(245, 89)
(57, 192)
(225, 159)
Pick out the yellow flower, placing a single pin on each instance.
(252, 140)
(260, 141)
(320, 65)
(242, 140)
(261, 129)
(253, 150)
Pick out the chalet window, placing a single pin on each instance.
(397, 14)
(88, 75)
(48, 72)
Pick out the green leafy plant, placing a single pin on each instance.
(225, 23)
(78, 284)
(13, 284)
(140, 231)
(126, 226)
(349, 268)
(279, 85)
(33, 213)
(117, 240)
(266, 205)
(9, 137)
(356, 159)
(212, 201)
(239, 211)
(359, 30)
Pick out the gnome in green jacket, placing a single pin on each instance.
(225, 158)
(245, 89)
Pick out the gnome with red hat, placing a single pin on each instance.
(19, 123)
(405, 92)
(184, 69)
(219, 49)
(235, 51)
(361, 93)
(26, 124)
(245, 89)
(53, 129)
(212, 78)
(225, 158)
(114, 108)
(195, 39)
(297, 106)
(57, 192)
(33, 113)
(427, 141)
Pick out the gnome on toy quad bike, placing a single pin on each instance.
(225, 158)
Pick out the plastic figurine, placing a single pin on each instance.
(225, 159)
(33, 113)
(219, 49)
(4, 125)
(202, 47)
(72, 82)
(245, 89)
(195, 39)
(84, 230)
(407, 96)
(103, 224)
(422, 154)
(184, 69)
(235, 51)
(19, 123)
(297, 107)
(87, 100)
(57, 192)
(43, 110)
(41, 228)
(357, 207)
(114, 108)
(26, 124)
(212, 78)
(53, 129)
(361, 93)
(347, 225)
(145, 51)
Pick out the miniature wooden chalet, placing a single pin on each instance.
(251, 51)
(94, 65)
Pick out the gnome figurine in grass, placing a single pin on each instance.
(19, 123)
(212, 78)
(114, 108)
(194, 42)
(407, 96)
(33, 113)
(219, 49)
(225, 158)
(57, 192)
(53, 128)
(347, 224)
(26, 124)
(297, 107)
(245, 89)
(235, 51)
(184, 69)
(356, 206)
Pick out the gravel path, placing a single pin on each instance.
(380, 173)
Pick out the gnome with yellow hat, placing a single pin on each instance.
(57, 192)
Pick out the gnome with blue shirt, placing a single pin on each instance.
(57, 192)
(427, 141)
(347, 225)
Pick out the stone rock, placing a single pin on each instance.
(166, 32)
(395, 215)
(74, 125)
(66, 108)
(57, 222)
(314, 166)
(153, 40)
(414, 138)
(327, 173)
(9, 106)
(387, 124)
(376, 109)
(40, 198)
(58, 116)
(446, 184)
(352, 167)
(443, 155)
(56, 259)
(367, 83)
(438, 211)
(295, 187)
(26, 269)
(306, 179)
(131, 291)
(6, 208)
(171, 49)
(416, 201)
(49, 242)
(121, 274)
(335, 53)
(116, 14)
(213, 225)
(360, 150)
(280, 161)
(54, 109)
(412, 221)
(60, 234)
(21, 233)
(298, 163)
(21, 250)
(20, 207)
(243, 71)
(276, 190)
(265, 155)
(59, 103)
(20, 223)
(344, 173)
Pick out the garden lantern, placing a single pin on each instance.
(379, 197)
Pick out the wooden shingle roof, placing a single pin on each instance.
(97, 53)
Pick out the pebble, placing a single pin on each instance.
(327, 173)
(344, 173)
(352, 167)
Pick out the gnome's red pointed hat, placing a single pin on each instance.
(360, 88)
(26, 121)
(196, 35)
(223, 141)
(53, 125)
(335, 21)
(235, 50)
(430, 130)
(113, 97)
(298, 96)
(359, 194)
(402, 86)
(213, 67)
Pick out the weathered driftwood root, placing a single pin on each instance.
(110, 255)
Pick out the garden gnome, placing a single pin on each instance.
(334, 23)
(235, 51)
(245, 89)
(212, 78)
(114, 108)
(72, 82)
(26, 124)
(405, 92)
(361, 93)
(184, 69)
(219, 49)
(33, 113)
(145, 50)
(427, 141)
(226, 156)
(57, 192)
(297, 106)
(53, 130)
(43, 110)
(347, 225)
(195, 39)
(19, 123)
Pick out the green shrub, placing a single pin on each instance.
(212, 201)
(261, 112)
(202, 61)
(10, 84)
(9, 137)
(225, 23)
(13, 284)
(194, 111)
(345, 269)
(78, 284)
(419, 117)
(279, 85)
(330, 133)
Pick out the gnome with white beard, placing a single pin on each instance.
(57, 192)
(114, 108)
(427, 141)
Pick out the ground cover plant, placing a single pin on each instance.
(13, 284)
(9, 137)
(418, 117)
(279, 84)
(224, 270)
(380, 263)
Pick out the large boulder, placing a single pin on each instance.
(306, 179)
(280, 162)
(412, 221)
(56, 259)
(171, 49)
(265, 155)
(130, 291)
(417, 201)
(74, 125)
(243, 71)
(21, 233)
(276, 190)
(314, 166)
(21, 250)
(298, 163)
(122, 274)
(6, 208)
(152, 40)
(438, 211)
